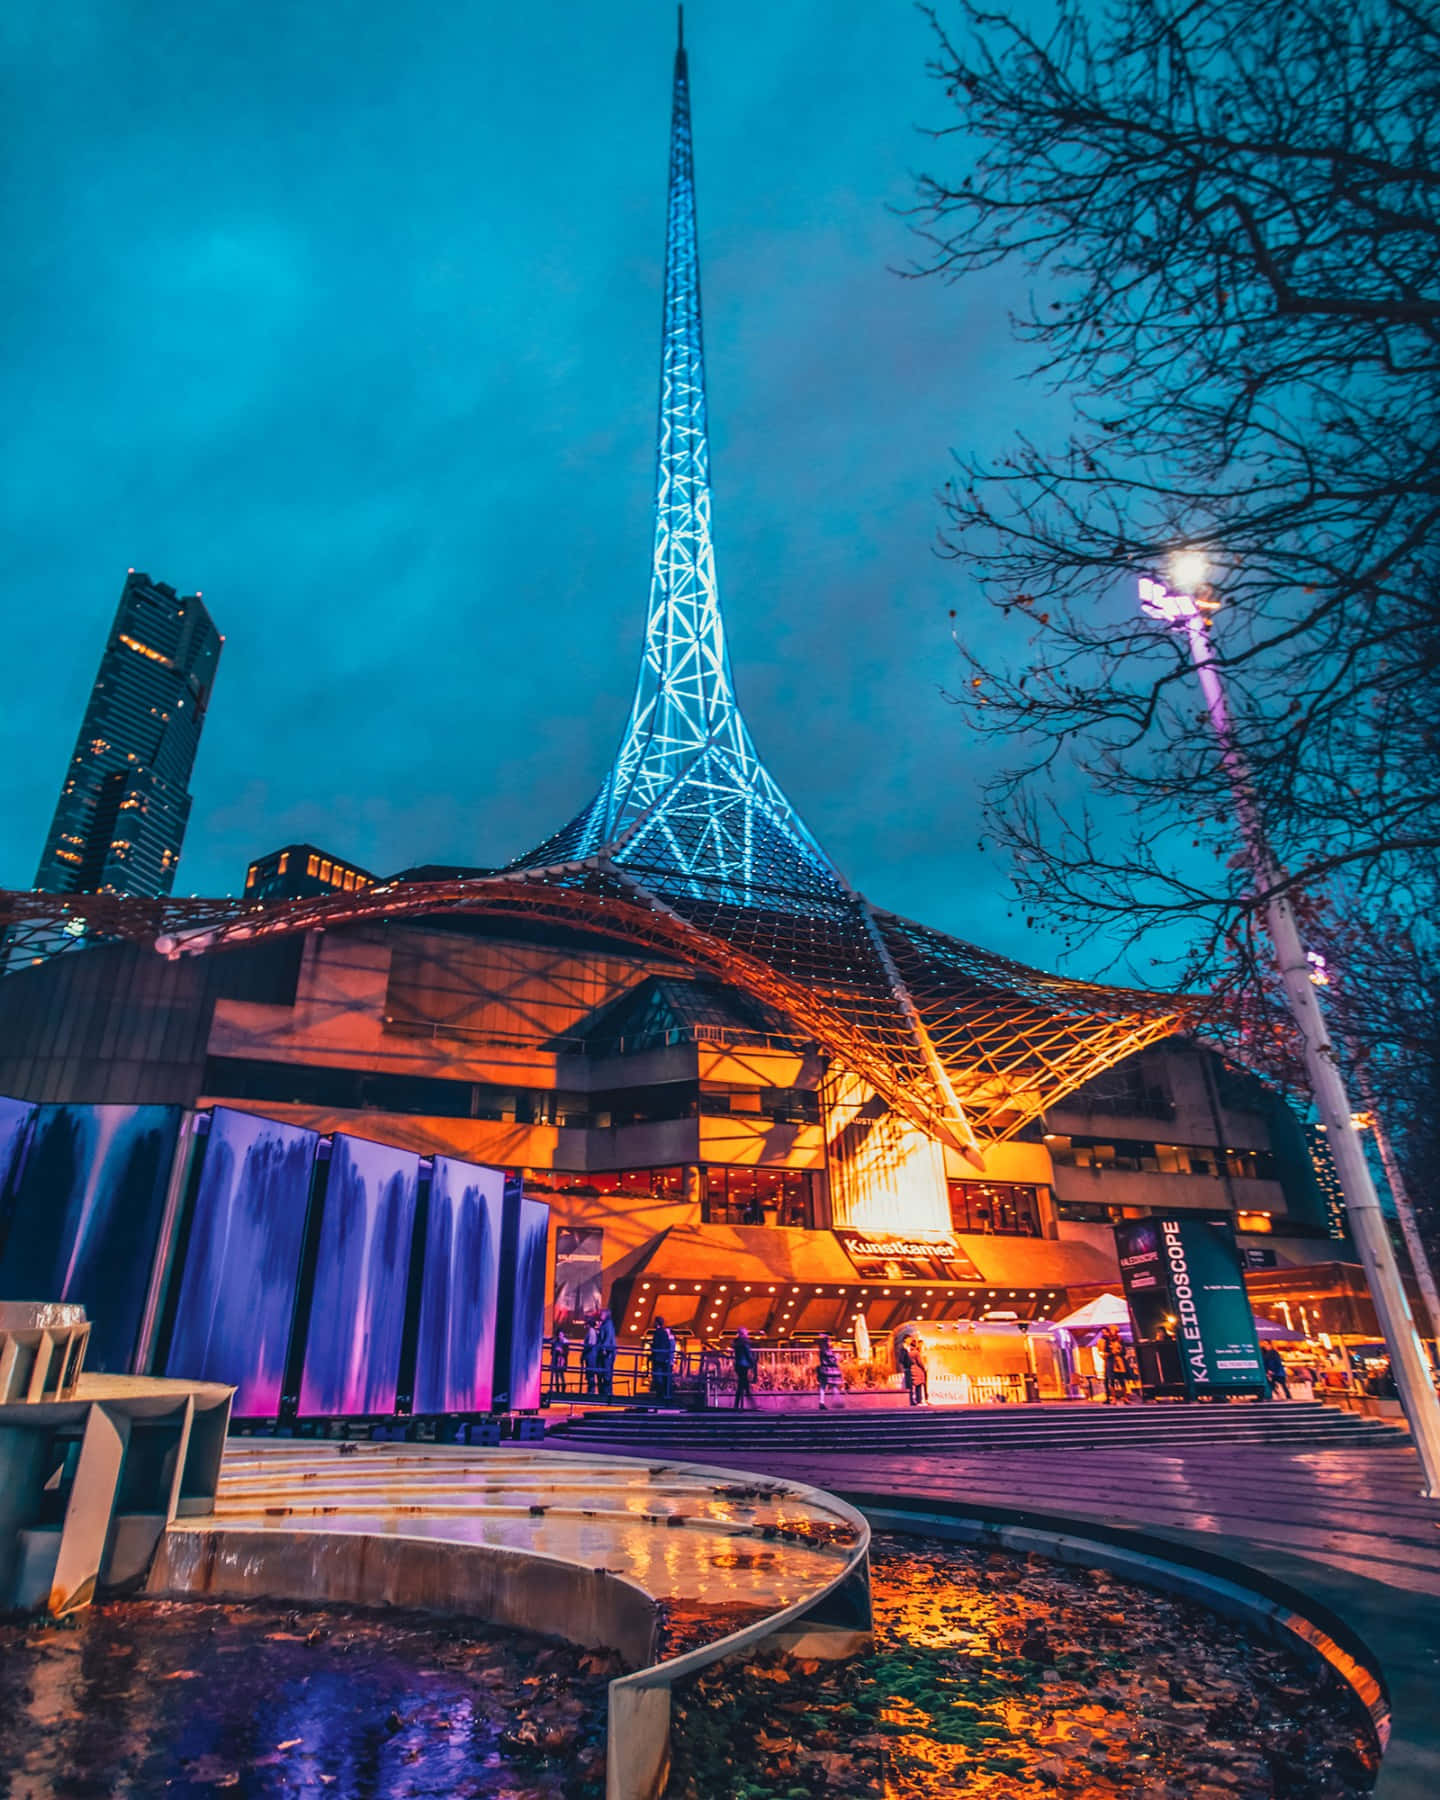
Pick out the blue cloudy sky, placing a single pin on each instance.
(346, 314)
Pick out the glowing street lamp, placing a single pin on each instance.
(1186, 606)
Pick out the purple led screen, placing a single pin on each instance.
(237, 1292)
(87, 1201)
(455, 1362)
(357, 1316)
(529, 1325)
(15, 1117)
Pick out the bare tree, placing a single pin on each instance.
(1229, 216)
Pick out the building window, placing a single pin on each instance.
(284, 862)
(656, 1184)
(748, 1196)
(1005, 1208)
(1094, 1212)
(325, 869)
(1134, 1157)
(312, 865)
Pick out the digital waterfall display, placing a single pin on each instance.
(529, 1317)
(237, 1292)
(455, 1366)
(15, 1117)
(87, 1204)
(357, 1316)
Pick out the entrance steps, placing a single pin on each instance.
(1158, 1425)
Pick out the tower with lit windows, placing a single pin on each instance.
(125, 801)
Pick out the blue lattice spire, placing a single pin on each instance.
(688, 806)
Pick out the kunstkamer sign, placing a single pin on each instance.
(1183, 1283)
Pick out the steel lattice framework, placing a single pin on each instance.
(690, 847)
(688, 803)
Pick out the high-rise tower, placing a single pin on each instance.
(125, 802)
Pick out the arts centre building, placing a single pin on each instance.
(751, 1094)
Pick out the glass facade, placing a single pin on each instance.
(750, 1196)
(121, 817)
(1004, 1208)
(1159, 1159)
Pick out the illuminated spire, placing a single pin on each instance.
(688, 806)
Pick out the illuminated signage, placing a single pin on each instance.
(1186, 1292)
(921, 1256)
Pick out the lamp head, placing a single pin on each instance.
(1188, 569)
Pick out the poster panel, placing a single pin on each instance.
(528, 1318)
(1186, 1292)
(1216, 1327)
(87, 1201)
(579, 1259)
(362, 1272)
(455, 1356)
(1142, 1270)
(242, 1259)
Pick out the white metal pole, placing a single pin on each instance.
(1408, 1361)
(1404, 1212)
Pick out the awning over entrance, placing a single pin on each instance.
(712, 1279)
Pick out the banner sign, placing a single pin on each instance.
(922, 1256)
(1184, 1286)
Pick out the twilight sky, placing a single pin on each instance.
(347, 315)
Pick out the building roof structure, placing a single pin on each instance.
(690, 846)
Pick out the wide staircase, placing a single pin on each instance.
(1159, 1425)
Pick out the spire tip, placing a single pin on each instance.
(679, 27)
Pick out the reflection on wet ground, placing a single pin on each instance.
(1003, 1678)
(999, 1677)
(193, 1700)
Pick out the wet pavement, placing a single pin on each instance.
(1005, 1677)
(997, 1676)
(195, 1701)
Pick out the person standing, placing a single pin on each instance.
(919, 1375)
(827, 1369)
(1275, 1372)
(605, 1354)
(559, 1358)
(905, 1357)
(662, 1361)
(590, 1358)
(1112, 1352)
(746, 1362)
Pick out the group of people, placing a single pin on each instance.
(828, 1377)
(597, 1357)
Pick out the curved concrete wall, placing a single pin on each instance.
(504, 1587)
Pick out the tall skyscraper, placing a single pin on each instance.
(125, 803)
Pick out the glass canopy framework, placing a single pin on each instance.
(691, 847)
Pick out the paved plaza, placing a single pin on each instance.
(1346, 1527)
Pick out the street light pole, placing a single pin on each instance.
(1188, 612)
(1404, 1212)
